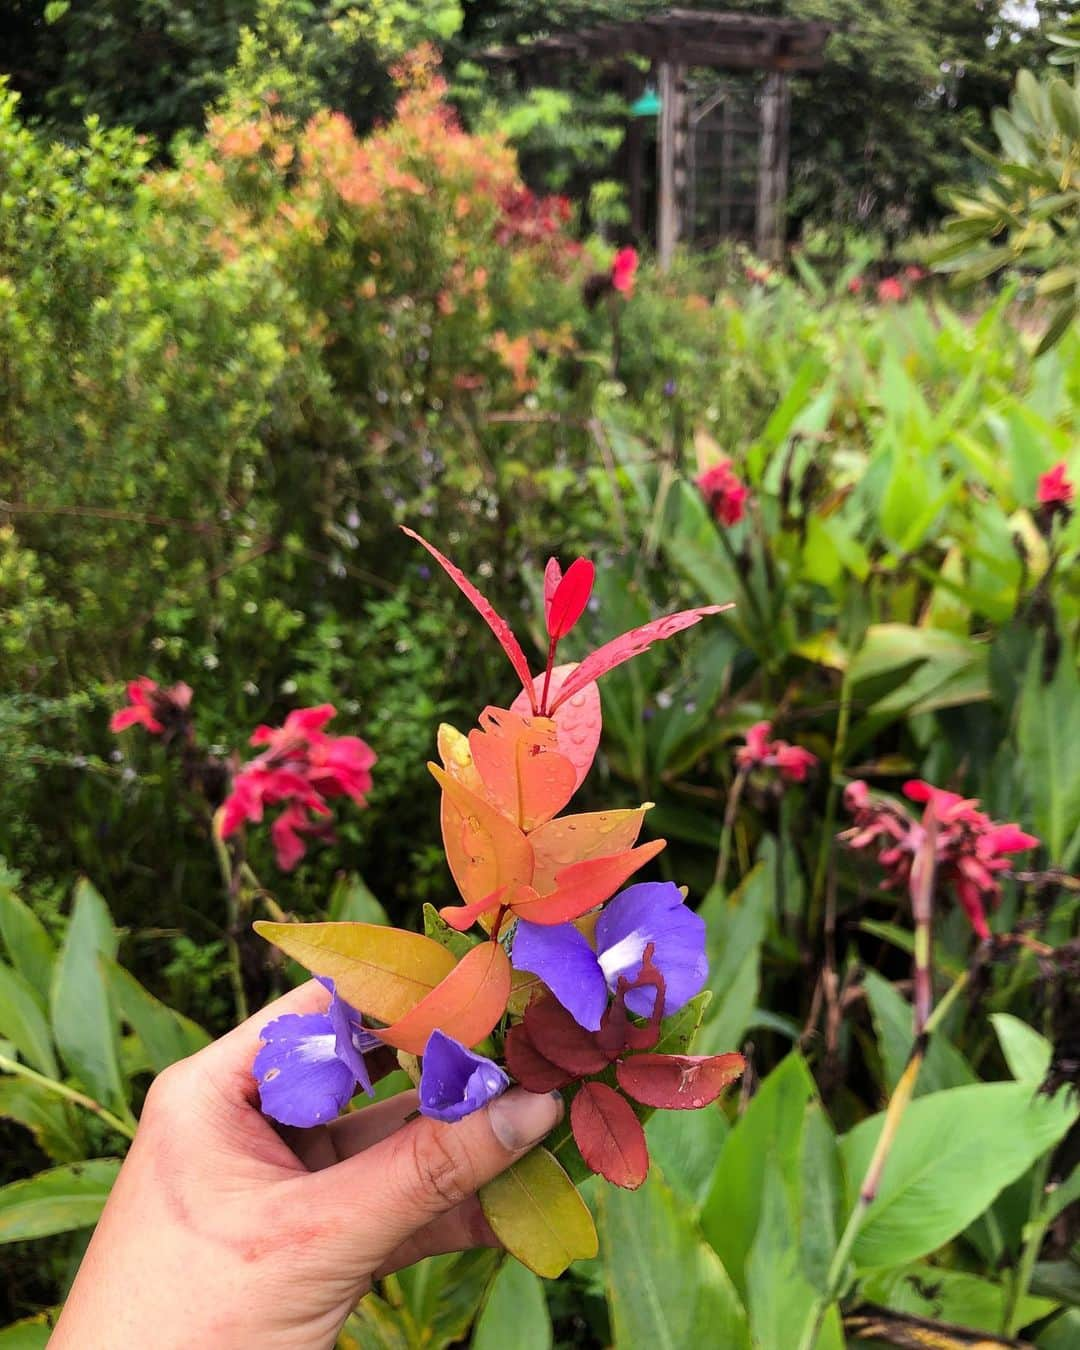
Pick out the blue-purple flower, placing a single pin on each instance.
(651, 913)
(311, 1064)
(455, 1081)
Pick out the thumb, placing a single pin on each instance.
(428, 1167)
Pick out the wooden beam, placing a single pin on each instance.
(772, 168)
(671, 160)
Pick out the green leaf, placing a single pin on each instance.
(352, 902)
(1026, 1052)
(32, 1333)
(685, 1146)
(50, 1120)
(536, 1212)
(56, 1201)
(943, 1295)
(83, 1021)
(436, 928)
(666, 1287)
(166, 1035)
(821, 1195)
(953, 1153)
(442, 1293)
(944, 1067)
(28, 945)
(23, 1023)
(374, 1325)
(768, 1133)
(515, 1312)
(1063, 1333)
(1064, 1194)
(1047, 733)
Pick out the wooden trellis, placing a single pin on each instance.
(675, 43)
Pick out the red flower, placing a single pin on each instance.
(913, 272)
(791, 761)
(624, 270)
(158, 710)
(1055, 489)
(724, 493)
(890, 289)
(970, 848)
(855, 285)
(301, 767)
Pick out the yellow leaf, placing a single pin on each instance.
(536, 1212)
(572, 839)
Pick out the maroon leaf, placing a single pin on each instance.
(528, 1066)
(498, 625)
(609, 1135)
(617, 1031)
(557, 1037)
(569, 598)
(678, 1082)
(623, 648)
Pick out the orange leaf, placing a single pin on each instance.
(583, 885)
(383, 972)
(522, 772)
(577, 721)
(466, 1005)
(573, 839)
(485, 850)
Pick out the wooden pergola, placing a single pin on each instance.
(675, 42)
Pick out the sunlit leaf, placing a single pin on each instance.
(383, 972)
(465, 1005)
(558, 844)
(535, 1211)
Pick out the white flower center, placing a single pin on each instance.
(624, 957)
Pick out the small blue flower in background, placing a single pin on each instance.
(311, 1064)
(455, 1081)
(581, 978)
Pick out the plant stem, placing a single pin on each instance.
(871, 1182)
(1034, 1232)
(730, 811)
(71, 1095)
(843, 719)
(231, 880)
(921, 890)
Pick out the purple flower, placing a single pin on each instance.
(455, 1081)
(581, 978)
(310, 1064)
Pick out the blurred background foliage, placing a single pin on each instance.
(263, 298)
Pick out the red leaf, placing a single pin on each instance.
(498, 625)
(577, 723)
(466, 1004)
(570, 598)
(631, 644)
(556, 1035)
(617, 1032)
(552, 577)
(609, 1135)
(583, 885)
(528, 1066)
(678, 1082)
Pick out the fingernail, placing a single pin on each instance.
(520, 1119)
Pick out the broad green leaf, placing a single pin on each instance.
(889, 647)
(944, 1066)
(536, 1212)
(666, 1286)
(768, 1134)
(685, 1146)
(515, 1312)
(821, 1195)
(436, 928)
(28, 945)
(1047, 733)
(374, 1325)
(1057, 1280)
(954, 1151)
(166, 1035)
(943, 1295)
(83, 1020)
(1064, 1194)
(443, 1292)
(56, 1201)
(352, 902)
(49, 1119)
(1063, 1333)
(384, 972)
(32, 1333)
(23, 1023)
(1026, 1052)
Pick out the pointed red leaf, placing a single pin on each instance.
(577, 723)
(528, 1066)
(678, 1082)
(609, 1135)
(552, 577)
(582, 886)
(570, 598)
(556, 1035)
(503, 633)
(629, 645)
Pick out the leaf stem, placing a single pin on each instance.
(70, 1094)
(1034, 1232)
(731, 809)
(836, 762)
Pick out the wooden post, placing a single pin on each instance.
(635, 178)
(772, 167)
(671, 160)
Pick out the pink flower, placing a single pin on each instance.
(855, 285)
(158, 710)
(624, 270)
(913, 272)
(791, 761)
(890, 289)
(1055, 489)
(970, 848)
(723, 491)
(302, 767)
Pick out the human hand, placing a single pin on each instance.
(223, 1232)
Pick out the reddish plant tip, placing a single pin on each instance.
(569, 598)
